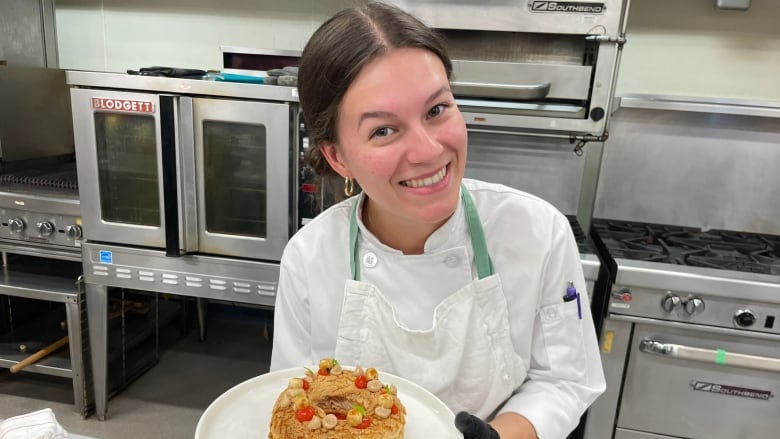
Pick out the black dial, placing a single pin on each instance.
(744, 318)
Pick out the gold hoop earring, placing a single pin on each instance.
(349, 186)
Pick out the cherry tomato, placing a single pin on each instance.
(305, 385)
(305, 414)
(341, 416)
(394, 409)
(366, 422)
(361, 382)
(323, 372)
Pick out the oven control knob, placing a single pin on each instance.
(624, 295)
(670, 302)
(74, 231)
(45, 228)
(17, 225)
(693, 305)
(744, 318)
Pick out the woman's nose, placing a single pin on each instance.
(423, 145)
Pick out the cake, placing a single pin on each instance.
(336, 402)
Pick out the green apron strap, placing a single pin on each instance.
(478, 242)
(353, 235)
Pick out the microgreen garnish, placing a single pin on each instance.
(359, 408)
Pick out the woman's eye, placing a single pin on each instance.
(382, 132)
(436, 110)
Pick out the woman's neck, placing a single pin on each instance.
(406, 236)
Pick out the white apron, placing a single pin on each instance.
(466, 358)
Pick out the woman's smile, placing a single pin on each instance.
(426, 181)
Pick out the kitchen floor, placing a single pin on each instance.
(168, 400)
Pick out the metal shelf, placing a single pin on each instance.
(56, 281)
(738, 107)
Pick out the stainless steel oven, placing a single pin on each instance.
(536, 67)
(166, 167)
(188, 187)
(690, 344)
(685, 222)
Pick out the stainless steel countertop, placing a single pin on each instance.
(196, 87)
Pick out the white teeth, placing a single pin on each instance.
(422, 182)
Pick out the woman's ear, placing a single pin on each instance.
(332, 155)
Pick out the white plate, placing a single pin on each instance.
(244, 411)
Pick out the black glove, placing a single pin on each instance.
(474, 428)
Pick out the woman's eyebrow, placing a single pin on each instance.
(375, 115)
(435, 95)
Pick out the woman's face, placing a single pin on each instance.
(401, 136)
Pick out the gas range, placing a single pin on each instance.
(690, 327)
(40, 210)
(721, 278)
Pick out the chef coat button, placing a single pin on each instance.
(370, 260)
(552, 312)
(451, 261)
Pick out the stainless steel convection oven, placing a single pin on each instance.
(188, 188)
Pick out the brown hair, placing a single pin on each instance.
(338, 50)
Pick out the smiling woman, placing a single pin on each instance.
(405, 145)
(419, 274)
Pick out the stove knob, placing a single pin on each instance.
(693, 305)
(45, 228)
(670, 302)
(17, 225)
(74, 231)
(624, 295)
(744, 318)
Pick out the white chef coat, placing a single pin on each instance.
(533, 252)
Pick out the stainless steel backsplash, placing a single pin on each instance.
(708, 170)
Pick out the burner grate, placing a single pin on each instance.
(59, 177)
(583, 244)
(721, 249)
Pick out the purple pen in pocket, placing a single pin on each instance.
(573, 294)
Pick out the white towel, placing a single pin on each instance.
(36, 425)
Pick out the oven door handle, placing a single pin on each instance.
(506, 91)
(711, 356)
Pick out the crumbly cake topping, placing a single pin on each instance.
(340, 402)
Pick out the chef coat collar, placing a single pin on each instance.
(466, 208)
(449, 235)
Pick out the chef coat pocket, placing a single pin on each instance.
(563, 340)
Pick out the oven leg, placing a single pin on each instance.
(201, 305)
(5, 259)
(73, 311)
(615, 342)
(97, 312)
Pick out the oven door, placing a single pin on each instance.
(700, 384)
(119, 162)
(242, 162)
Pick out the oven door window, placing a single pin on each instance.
(127, 168)
(236, 183)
